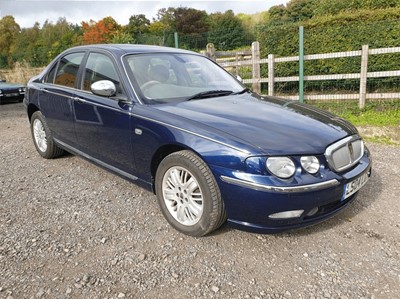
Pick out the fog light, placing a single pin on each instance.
(313, 211)
(286, 214)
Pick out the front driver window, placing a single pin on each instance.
(100, 67)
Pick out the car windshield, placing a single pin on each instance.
(170, 77)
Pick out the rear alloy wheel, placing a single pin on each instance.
(188, 194)
(42, 139)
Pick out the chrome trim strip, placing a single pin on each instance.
(129, 79)
(295, 189)
(105, 165)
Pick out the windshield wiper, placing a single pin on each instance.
(210, 94)
(241, 92)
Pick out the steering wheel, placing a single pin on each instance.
(149, 84)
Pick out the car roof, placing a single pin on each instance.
(131, 49)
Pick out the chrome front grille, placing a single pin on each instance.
(345, 153)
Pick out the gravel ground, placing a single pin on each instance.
(69, 229)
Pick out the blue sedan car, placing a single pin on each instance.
(212, 151)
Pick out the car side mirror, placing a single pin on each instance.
(104, 88)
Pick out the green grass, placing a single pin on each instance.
(380, 140)
(377, 113)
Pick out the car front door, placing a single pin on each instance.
(102, 124)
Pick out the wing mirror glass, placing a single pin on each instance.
(104, 88)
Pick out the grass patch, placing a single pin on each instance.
(375, 113)
(380, 140)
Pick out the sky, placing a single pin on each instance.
(27, 12)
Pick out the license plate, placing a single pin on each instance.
(11, 94)
(353, 186)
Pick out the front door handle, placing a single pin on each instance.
(79, 100)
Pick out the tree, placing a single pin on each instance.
(99, 32)
(190, 20)
(167, 17)
(9, 31)
(138, 24)
(163, 27)
(191, 24)
(122, 38)
(328, 7)
(300, 10)
(227, 31)
(277, 14)
(26, 45)
(160, 31)
(55, 38)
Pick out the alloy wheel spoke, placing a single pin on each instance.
(182, 196)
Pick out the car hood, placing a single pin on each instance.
(274, 126)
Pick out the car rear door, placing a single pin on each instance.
(102, 124)
(56, 96)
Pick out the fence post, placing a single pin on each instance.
(255, 53)
(301, 64)
(271, 75)
(210, 52)
(363, 76)
(237, 64)
(176, 39)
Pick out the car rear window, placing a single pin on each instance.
(67, 70)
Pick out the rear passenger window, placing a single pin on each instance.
(50, 75)
(100, 67)
(68, 69)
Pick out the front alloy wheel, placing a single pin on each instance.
(182, 195)
(188, 194)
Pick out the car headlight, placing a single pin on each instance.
(22, 89)
(310, 164)
(282, 167)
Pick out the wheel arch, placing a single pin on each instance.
(31, 109)
(161, 153)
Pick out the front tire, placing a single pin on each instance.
(188, 194)
(42, 138)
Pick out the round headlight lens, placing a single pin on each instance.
(310, 164)
(282, 167)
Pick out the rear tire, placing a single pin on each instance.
(188, 194)
(42, 138)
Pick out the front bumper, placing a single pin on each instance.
(249, 204)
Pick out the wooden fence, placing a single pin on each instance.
(251, 57)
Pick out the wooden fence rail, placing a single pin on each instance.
(252, 58)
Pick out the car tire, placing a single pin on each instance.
(188, 194)
(42, 138)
